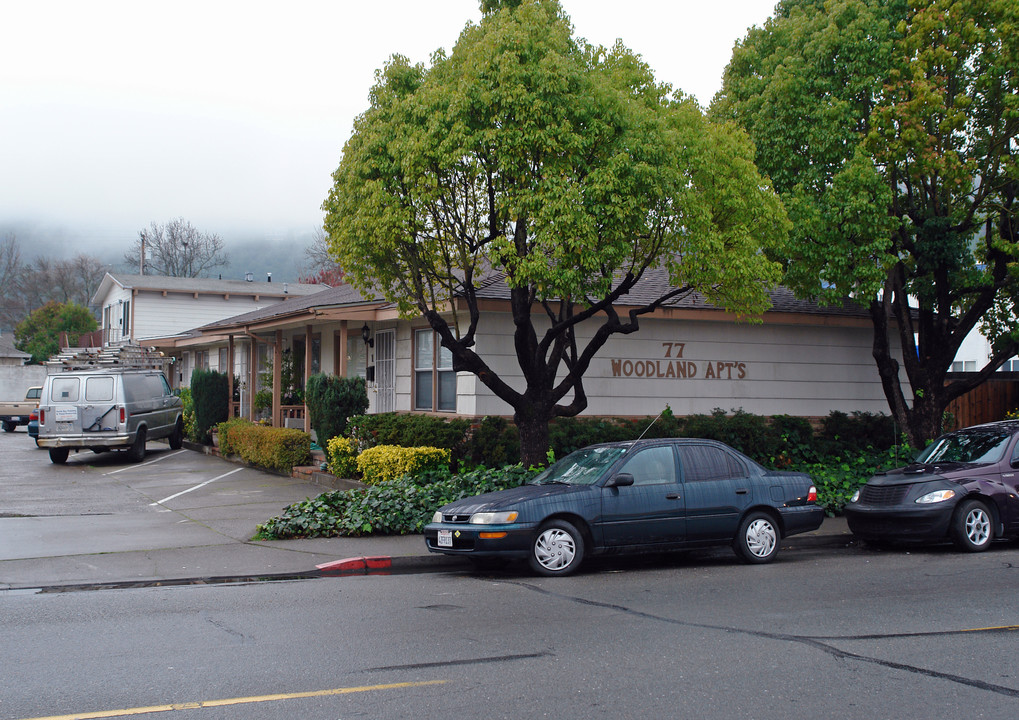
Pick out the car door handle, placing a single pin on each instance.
(742, 491)
(673, 496)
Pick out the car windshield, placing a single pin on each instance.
(582, 467)
(975, 446)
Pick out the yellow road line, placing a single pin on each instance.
(235, 701)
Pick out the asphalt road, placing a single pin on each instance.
(843, 632)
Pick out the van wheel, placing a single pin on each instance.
(137, 451)
(177, 436)
(58, 456)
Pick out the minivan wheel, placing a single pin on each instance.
(557, 549)
(137, 451)
(177, 436)
(757, 539)
(58, 456)
(972, 526)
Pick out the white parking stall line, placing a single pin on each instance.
(150, 462)
(196, 487)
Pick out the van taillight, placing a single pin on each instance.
(123, 417)
(42, 416)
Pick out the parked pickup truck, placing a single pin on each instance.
(16, 412)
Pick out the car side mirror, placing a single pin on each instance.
(620, 480)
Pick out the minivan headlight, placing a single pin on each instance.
(936, 497)
(494, 518)
(856, 497)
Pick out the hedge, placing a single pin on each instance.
(388, 462)
(274, 448)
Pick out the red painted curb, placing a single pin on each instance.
(356, 564)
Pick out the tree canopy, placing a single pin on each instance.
(564, 170)
(39, 333)
(891, 132)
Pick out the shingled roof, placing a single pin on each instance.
(652, 286)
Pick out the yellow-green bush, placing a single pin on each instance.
(342, 456)
(388, 462)
(269, 447)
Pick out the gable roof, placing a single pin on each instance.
(163, 283)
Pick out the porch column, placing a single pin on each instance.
(307, 374)
(341, 351)
(252, 374)
(277, 376)
(230, 374)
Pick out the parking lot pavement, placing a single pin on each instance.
(178, 514)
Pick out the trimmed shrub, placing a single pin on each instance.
(388, 462)
(412, 431)
(341, 454)
(277, 449)
(210, 392)
(331, 401)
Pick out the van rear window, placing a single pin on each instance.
(99, 389)
(65, 389)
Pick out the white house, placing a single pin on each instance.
(140, 308)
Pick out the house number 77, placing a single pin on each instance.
(671, 347)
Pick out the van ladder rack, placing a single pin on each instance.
(126, 357)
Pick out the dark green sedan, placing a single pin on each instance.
(638, 496)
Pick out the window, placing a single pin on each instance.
(65, 390)
(224, 360)
(705, 462)
(99, 389)
(125, 319)
(357, 360)
(434, 378)
(653, 466)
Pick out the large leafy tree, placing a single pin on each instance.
(563, 170)
(891, 132)
(39, 333)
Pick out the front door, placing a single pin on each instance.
(385, 370)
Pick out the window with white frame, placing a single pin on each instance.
(434, 378)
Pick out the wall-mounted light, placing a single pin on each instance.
(366, 336)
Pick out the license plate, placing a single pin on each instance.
(446, 538)
(16, 418)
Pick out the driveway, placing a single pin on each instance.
(178, 514)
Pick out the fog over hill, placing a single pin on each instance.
(281, 254)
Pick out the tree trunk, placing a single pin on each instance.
(533, 428)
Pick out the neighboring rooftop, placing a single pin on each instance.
(162, 283)
(7, 349)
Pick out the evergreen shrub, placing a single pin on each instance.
(210, 392)
(279, 449)
(331, 400)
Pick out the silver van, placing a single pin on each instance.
(106, 409)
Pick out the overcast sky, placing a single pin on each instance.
(233, 115)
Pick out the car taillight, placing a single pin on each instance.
(123, 415)
(812, 494)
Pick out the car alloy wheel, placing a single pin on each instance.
(558, 549)
(757, 539)
(972, 528)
